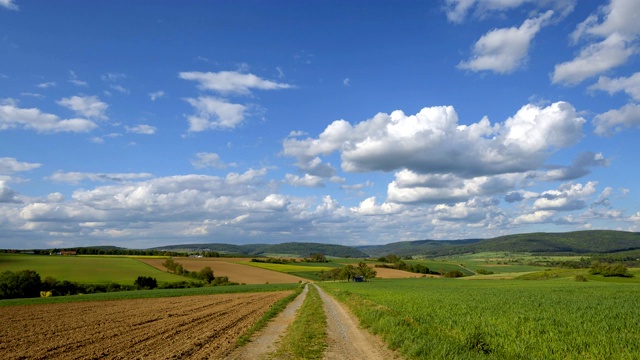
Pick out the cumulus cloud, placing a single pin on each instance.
(616, 120)
(8, 195)
(505, 50)
(432, 141)
(611, 35)
(141, 129)
(307, 180)
(630, 85)
(77, 177)
(231, 82)
(88, 106)
(567, 197)
(204, 160)
(10, 165)
(214, 113)
(12, 116)
(472, 211)
(410, 188)
(369, 207)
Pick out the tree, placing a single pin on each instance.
(145, 283)
(21, 284)
(347, 272)
(365, 271)
(170, 265)
(206, 274)
(318, 258)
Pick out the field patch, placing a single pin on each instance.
(85, 269)
(236, 270)
(195, 327)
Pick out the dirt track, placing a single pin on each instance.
(197, 327)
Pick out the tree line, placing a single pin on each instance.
(348, 273)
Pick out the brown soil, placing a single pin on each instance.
(231, 268)
(197, 327)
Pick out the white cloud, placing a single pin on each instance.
(410, 188)
(432, 141)
(9, 4)
(630, 85)
(505, 50)
(368, 207)
(12, 116)
(8, 195)
(457, 10)
(89, 106)
(141, 129)
(204, 160)
(77, 177)
(616, 120)
(231, 82)
(35, 95)
(119, 88)
(214, 113)
(568, 197)
(579, 168)
(617, 26)
(307, 180)
(592, 60)
(156, 95)
(45, 85)
(10, 165)
(74, 79)
(113, 77)
(535, 217)
(346, 82)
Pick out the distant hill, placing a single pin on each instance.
(577, 242)
(293, 248)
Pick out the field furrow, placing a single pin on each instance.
(195, 326)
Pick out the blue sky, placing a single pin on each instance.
(143, 123)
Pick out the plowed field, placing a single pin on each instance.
(197, 327)
(229, 267)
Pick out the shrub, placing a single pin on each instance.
(454, 274)
(581, 278)
(145, 282)
(484, 272)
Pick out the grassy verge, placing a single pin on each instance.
(306, 336)
(145, 294)
(275, 309)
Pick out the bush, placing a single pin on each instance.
(145, 283)
(484, 272)
(617, 269)
(581, 278)
(454, 274)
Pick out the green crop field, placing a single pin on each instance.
(502, 319)
(85, 269)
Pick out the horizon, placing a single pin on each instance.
(141, 123)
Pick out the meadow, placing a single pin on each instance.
(85, 269)
(503, 319)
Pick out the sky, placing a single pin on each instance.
(147, 123)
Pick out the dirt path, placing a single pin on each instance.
(346, 340)
(264, 342)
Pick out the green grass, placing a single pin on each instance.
(507, 319)
(306, 336)
(85, 269)
(147, 294)
(275, 309)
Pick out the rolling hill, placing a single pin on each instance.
(293, 248)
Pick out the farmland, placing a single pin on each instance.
(198, 327)
(85, 269)
(506, 319)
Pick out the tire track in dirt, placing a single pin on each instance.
(345, 339)
(265, 341)
(198, 327)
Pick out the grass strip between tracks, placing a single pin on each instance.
(306, 337)
(275, 309)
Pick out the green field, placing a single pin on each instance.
(503, 319)
(85, 269)
(305, 270)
